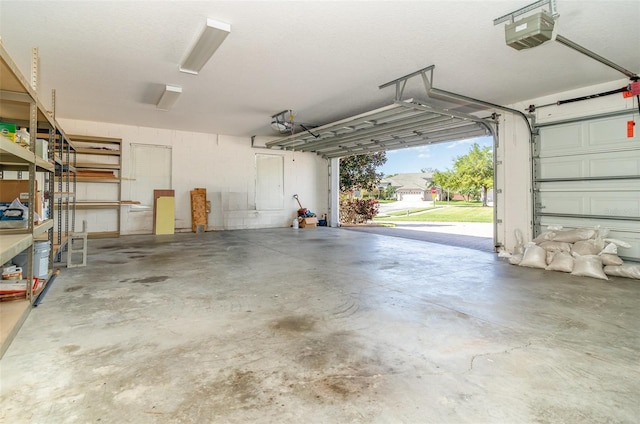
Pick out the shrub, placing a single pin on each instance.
(357, 211)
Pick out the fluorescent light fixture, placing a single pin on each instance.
(169, 97)
(212, 36)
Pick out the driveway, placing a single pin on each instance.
(403, 205)
(470, 235)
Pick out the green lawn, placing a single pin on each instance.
(458, 213)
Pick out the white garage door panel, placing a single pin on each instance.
(412, 197)
(587, 173)
(601, 135)
(559, 140)
(609, 132)
(619, 163)
(625, 204)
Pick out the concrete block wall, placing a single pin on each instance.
(514, 204)
(225, 166)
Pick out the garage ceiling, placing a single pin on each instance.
(110, 60)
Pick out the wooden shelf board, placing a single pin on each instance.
(12, 244)
(90, 151)
(12, 315)
(92, 139)
(44, 164)
(97, 205)
(12, 80)
(14, 154)
(97, 180)
(88, 165)
(42, 228)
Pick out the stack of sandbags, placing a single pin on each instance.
(582, 252)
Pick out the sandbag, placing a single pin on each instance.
(562, 261)
(519, 248)
(586, 247)
(556, 246)
(588, 266)
(611, 259)
(550, 256)
(572, 236)
(534, 256)
(515, 259)
(626, 271)
(620, 243)
(545, 236)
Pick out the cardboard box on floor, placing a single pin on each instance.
(311, 222)
(11, 190)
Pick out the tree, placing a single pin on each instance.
(474, 171)
(389, 192)
(359, 172)
(445, 180)
(471, 174)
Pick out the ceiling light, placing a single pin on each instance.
(212, 36)
(169, 97)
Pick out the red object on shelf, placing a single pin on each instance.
(630, 127)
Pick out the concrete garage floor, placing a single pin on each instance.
(321, 326)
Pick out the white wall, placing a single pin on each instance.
(225, 166)
(514, 204)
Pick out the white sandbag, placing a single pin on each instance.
(562, 261)
(519, 248)
(554, 227)
(619, 243)
(504, 254)
(626, 270)
(588, 266)
(546, 236)
(601, 232)
(556, 246)
(610, 259)
(515, 259)
(572, 236)
(534, 256)
(549, 256)
(610, 248)
(586, 247)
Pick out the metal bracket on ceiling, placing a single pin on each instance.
(511, 16)
(401, 82)
(449, 96)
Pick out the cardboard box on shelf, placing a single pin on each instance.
(311, 222)
(19, 189)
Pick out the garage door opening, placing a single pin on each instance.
(443, 202)
(444, 117)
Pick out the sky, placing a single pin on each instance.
(437, 156)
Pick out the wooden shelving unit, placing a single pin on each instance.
(98, 178)
(20, 105)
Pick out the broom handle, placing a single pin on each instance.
(297, 200)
